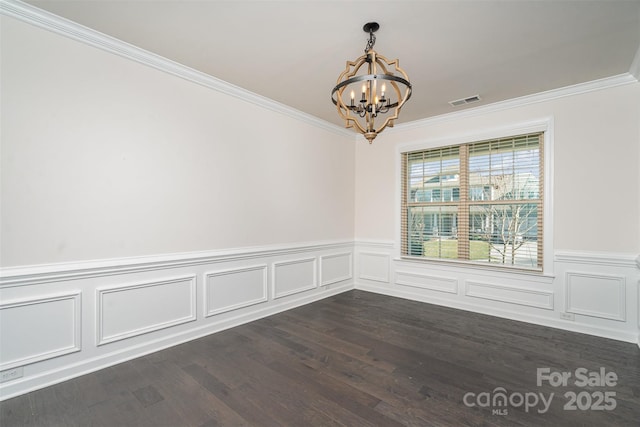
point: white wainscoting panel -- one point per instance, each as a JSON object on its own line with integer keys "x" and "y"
{"x": 336, "y": 268}
{"x": 427, "y": 281}
{"x": 33, "y": 330}
{"x": 509, "y": 294}
{"x": 131, "y": 310}
{"x": 596, "y": 295}
{"x": 234, "y": 288}
{"x": 595, "y": 286}
{"x": 144, "y": 304}
{"x": 291, "y": 277}
{"x": 374, "y": 266}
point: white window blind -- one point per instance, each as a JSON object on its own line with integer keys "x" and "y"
{"x": 479, "y": 202}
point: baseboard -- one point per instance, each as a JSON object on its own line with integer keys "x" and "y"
{"x": 505, "y": 314}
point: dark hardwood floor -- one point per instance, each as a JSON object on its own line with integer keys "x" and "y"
{"x": 356, "y": 359}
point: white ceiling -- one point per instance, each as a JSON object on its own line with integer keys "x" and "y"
{"x": 293, "y": 51}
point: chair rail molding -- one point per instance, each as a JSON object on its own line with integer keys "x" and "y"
{"x": 47, "y": 273}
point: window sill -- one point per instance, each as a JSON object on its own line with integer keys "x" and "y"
{"x": 489, "y": 270}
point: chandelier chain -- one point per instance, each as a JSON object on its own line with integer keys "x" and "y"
{"x": 370, "y": 42}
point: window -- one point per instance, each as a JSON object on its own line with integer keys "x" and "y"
{"x": 480, "y": 202}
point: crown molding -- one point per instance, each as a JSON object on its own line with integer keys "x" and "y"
{"x": 634, "y": 70}
{"x": 580, "y": 88}
{"x": 48, "y": 21}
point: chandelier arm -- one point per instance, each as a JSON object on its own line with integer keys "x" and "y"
{"x": 390, "y": 120}
{"x": 349, "y": 120}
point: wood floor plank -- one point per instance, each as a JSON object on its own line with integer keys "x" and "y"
{"x": 292, "y": 394}
{"x": 353, "y": 359}
{"x": 195, "y": 405}
{"x": 232, "y": 399}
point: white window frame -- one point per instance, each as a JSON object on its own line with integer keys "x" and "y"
{"x": 544, "y": 125}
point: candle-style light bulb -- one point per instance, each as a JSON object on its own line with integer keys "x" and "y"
{"x": 353, "y": 97}
{"x": 384, "y": 88}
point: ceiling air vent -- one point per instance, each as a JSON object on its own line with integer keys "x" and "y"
{"x": 465, "y": 101}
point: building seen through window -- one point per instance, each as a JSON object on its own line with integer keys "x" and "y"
{"x": 479, "y": 202}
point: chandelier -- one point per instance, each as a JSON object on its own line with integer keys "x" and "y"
{"x": 382, "y": 88}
